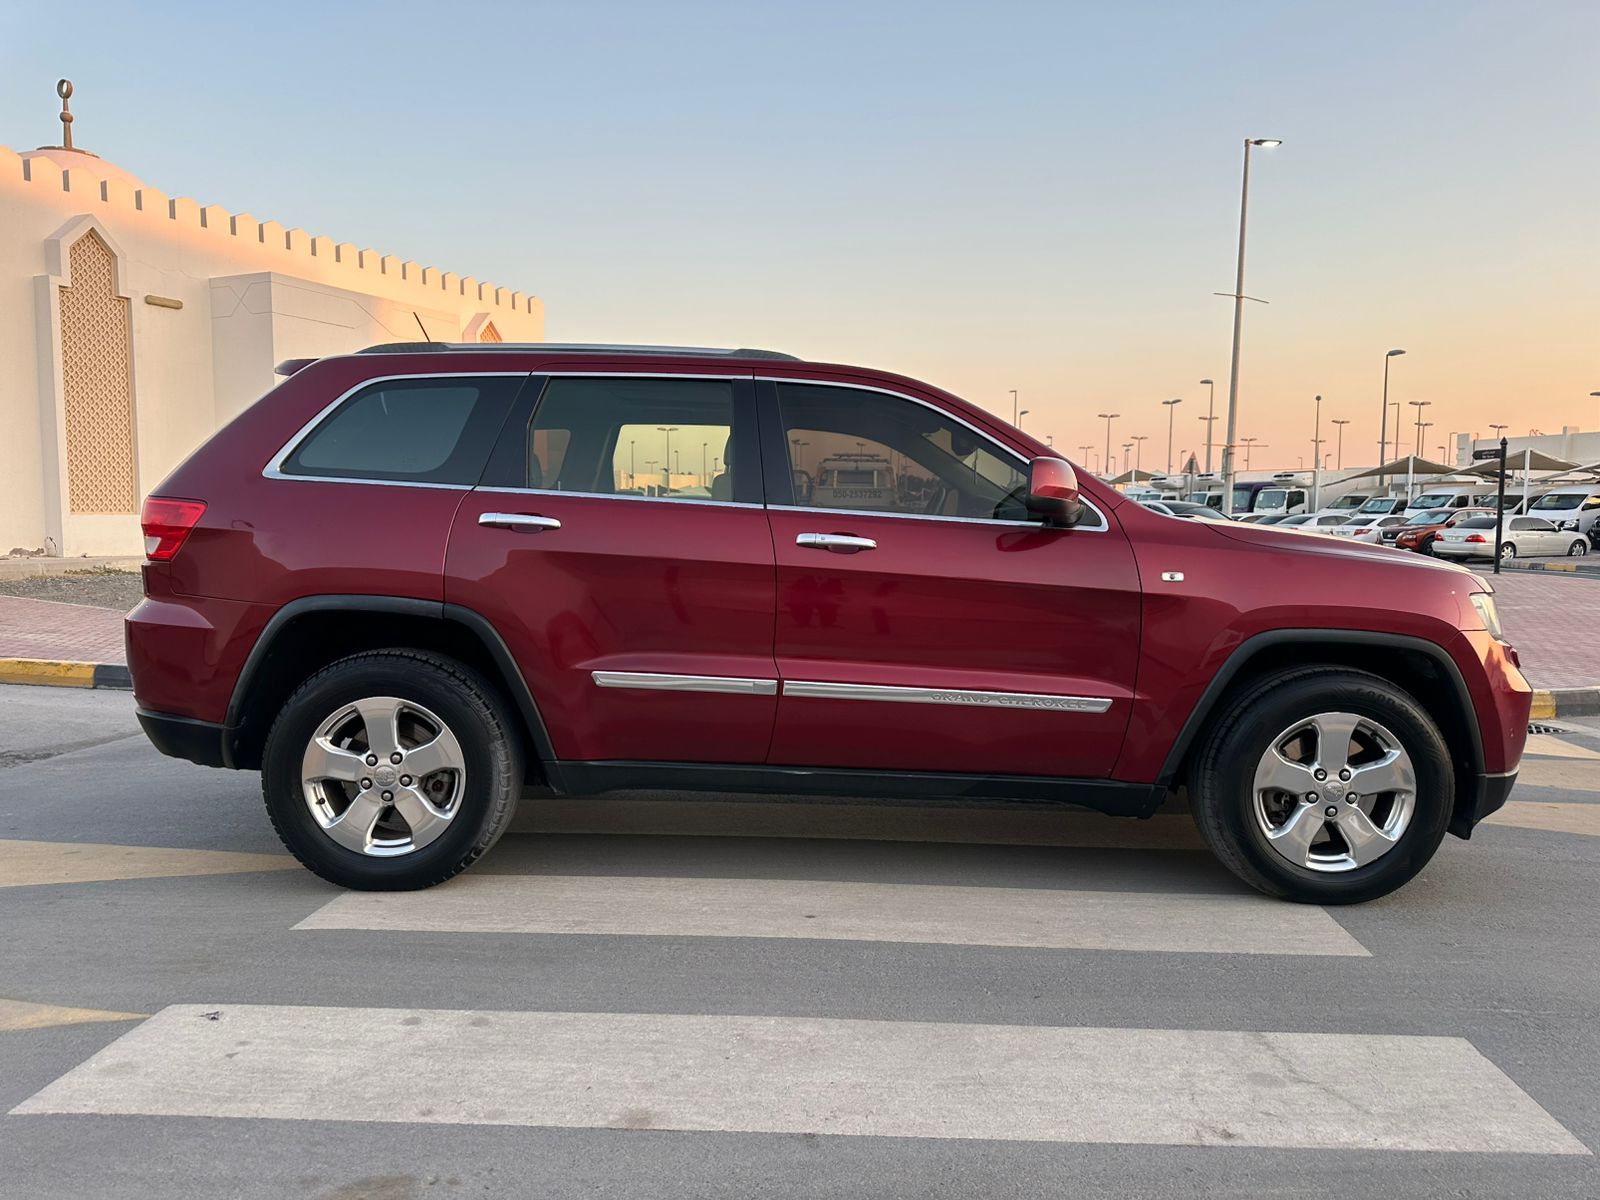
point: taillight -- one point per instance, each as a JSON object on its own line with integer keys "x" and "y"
{"x": 167, "y": 524}
{"x": 1476, "y": 539}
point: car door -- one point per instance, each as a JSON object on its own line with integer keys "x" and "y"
{"x": 924, "y": 622}
{"x": 628, "y": 566}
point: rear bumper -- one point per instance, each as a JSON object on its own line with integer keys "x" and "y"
{"x": 203, "y": 742}
{"x": 1487, "y": 795}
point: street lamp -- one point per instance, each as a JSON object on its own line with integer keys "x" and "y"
{"x": 799, "y": 458}
{"x": 1127, "y": 453}
{"x": 1341, "y": 423}
{"x": 1139, "y": 441}
{"x": 1238, "y": 326}
{"x": 1108, "y": 418}
{"x": 1172, "y": 409}
{"x": 1595, "y": 395}
{"x": 1015, "y": 416}
{"x": 1209, "y": 418}
{"x": 1247, "y": 443}
{"x": 1383, "y": 439}
{"x": 1022, "y": 414}
{"x": 666, "y": 459}
{"x": 1419, "y": 405}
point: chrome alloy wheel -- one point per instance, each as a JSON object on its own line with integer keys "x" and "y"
{"x": 383, "y": 776}
{"x": 1334, "y": 792}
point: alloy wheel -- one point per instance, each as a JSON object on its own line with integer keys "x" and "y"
{"x": 1334, "y": 792}
{"x": 383, "y": 776}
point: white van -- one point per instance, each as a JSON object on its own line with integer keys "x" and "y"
{"x": 1573, "y": 509}
{"x": 1445, "y": 497}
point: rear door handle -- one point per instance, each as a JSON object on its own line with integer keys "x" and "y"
{"x": 839, "y": 543}
{"x": 526, "y": 522}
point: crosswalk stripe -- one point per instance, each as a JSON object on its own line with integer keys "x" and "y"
{"x": 1553, "y": 817}
{"x": 25, "y": 1014}
{"x": 811, "y": 1075}
{"x": 1037, "y": 826}
{"x": 1543, "y": 745}
{"x": 872, "y": 912}
{"x": 27, "y": 863}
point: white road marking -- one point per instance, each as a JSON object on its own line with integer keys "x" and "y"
{"x": 811, "y": 1075}
{"x": 1544, "y": 745}
{"x": 25, "y": 1014}
{"x": 1553, "y": 817}
{"x": 869, "y": 912}
{"x": 29, "y": 864}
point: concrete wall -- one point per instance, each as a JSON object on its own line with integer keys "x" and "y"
{"x": 248, "y": 294}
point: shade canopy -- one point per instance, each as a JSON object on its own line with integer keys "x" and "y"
{"x": 1133, "y": 476}
{"x": 1409, "y": 465}
{"x": 1521, "y": 460}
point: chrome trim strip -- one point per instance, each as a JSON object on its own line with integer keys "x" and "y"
{"x": 954, "y": 696}
{"x": 657, "y": 682}
{"x": 274, "y": 468}
{"x": 1102, "y": 527}
{"x": 512, "y": 491}
{"x": 1004, "y": 451}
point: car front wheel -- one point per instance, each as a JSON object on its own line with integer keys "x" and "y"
{"x": 1579, "y": 546}
{"x": 1324, "y": 785}
{"x": 391, "y": 770}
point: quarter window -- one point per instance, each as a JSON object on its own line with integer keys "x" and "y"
{"x": 866, "y": 451}
{"x": 408, "y": 431}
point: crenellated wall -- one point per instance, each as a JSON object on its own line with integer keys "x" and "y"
{"x": 215, "y": 299}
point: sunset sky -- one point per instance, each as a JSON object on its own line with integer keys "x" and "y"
{"x": 986, "y": 196}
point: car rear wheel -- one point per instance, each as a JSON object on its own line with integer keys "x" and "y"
{"x": 1323, "y": 785}
{"x": 391, "y": 770}
{"x": 1507, "y": 552}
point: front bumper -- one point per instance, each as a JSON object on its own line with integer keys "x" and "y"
{"x": 203, "y": 742}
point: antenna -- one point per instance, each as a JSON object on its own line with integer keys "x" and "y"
{"x": 421, "y": 326}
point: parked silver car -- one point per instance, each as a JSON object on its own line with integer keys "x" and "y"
{"x": 1525, "y": 537}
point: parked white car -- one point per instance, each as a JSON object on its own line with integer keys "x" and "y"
{"x": 1374, "y": 531}
{"x": 1318, "y": 522}
{"x": 1525, "y": 537}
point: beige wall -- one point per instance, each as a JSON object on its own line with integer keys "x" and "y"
{"x": 252, "y": 293}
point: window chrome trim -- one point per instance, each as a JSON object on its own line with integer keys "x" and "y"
{"x": 274, "y": 468}
{"x": 513, "y": 491}
{"x": 1004, "y": 451}
{"x": 959, "y": 697}
{"x": 655, "y": 681}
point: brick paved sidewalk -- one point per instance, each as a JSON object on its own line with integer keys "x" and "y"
{"x": 1553, "y": 620}
{"x": 70, "y": 632}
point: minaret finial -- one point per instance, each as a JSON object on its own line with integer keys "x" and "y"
{"x": 64, "y": 90}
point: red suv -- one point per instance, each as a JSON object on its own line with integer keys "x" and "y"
{"x": 411, "y": 582}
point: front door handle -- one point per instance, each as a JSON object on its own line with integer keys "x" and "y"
{"x": 839, "y": 543}
{"x": 523, "y": 521}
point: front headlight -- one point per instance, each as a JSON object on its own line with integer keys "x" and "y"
{"x": 1488, "y": 614}
{"x": 1573, "y": 525}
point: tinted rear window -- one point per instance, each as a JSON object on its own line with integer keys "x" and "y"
{"x": 1478, "y": 523}
{"x": 408, "y": 431}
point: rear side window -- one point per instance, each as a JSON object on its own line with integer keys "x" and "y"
{"x": 408, "y": 431}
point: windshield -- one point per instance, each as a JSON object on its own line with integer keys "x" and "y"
{"x": 1437, "y": 516}
{"x": 1556, "y": 500}
{"x": 1273, "y": 499}
{"x": 1433, "y": 500}
{"x": 1378, "y": 504}
{"x": 1345, "y": 503}
{"x": 1242, "y": 497}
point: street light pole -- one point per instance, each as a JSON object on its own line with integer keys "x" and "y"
{"x": 1172, "y": 410}
{"x": 1238, "y": 326}
{"x": 1022, "y": 414}
{"x": 1341, "y": 424}
{"x": 1014, "y": 416}
{"x": 1108, "y": 418}
{"x": 1247, "y": 443}
{"x": 1419, "y": 405}
{"x": 1383, "y": 438}
{"x": 1138, "y": 441}
{"x": 1211, "y": 404}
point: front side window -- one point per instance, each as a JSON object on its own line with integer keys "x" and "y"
{"x": 869, "y": 452}
{"x": 408, "y": 431}
{"x": 668, "y": 439}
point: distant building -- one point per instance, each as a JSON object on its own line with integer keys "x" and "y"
{"x": 139, "y": 324}
{"x": 1571, "y": 444}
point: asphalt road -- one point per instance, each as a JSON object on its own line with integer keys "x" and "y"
{"x": 691, "y": 998}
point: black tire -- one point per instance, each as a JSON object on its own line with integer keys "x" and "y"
{"x": 1579, "y": 546}
{"x": 474, "y": 713}
{"x": 1507, "y": 552}
{"x": 1223, "y": 772}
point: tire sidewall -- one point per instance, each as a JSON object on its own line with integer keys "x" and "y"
{"x": 409, "y": 679}
{"x": 1277, "y": 710}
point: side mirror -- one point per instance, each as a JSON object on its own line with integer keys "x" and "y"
{"x": 1053, "y": 492}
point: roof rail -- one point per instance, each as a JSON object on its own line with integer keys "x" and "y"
{"x": 571, "y": 348}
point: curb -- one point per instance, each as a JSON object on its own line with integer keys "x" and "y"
{"x": 51, "y": 673}
{"x": 1565, "y": 702}
{"x": 1566, "y": 568}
